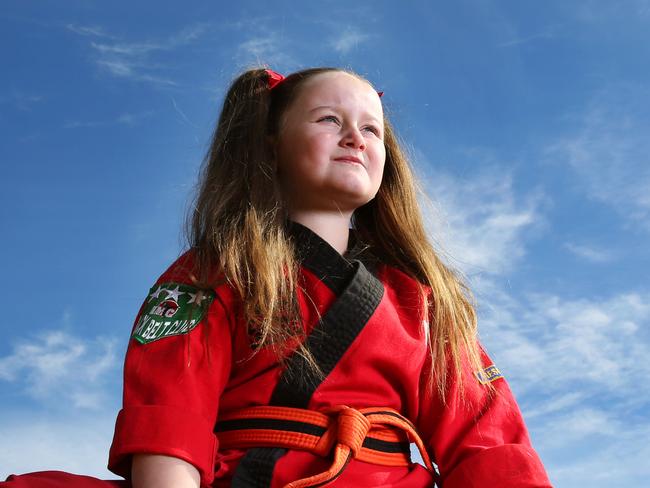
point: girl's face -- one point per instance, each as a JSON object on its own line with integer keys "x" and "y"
{"x": 330, "y": 147}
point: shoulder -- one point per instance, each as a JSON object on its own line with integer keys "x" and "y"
{"x": 399, "y": 279}
{"x": 403, "y": 289}
{"x": 183, "y": 269}
{"x": 186, "y": 270}
{"x": 178, "y": 301}
{"x": 185, "y": 275}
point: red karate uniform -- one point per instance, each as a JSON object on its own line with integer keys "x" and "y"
{"x": 365, "y": 326}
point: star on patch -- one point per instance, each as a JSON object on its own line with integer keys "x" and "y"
{"x": 196, "y": 297}
{"x": 157, "y": 293}
{"x": 175, "y": 293}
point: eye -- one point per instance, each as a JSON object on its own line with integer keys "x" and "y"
{"x": 329, "y": 118}
{"x": 373, "y": 129}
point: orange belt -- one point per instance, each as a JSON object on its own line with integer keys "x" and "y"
{"x": 373, "y": 435}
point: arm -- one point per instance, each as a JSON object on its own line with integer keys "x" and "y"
{"x": 479, "y": 438}
{"x": 174, "y": 374}
{"x": 155, "y": 471}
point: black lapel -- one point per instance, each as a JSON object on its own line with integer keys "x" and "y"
{"x": 358, "y": 296}
{"x": 329, "y": 340}
{"x": 315, "y": 254}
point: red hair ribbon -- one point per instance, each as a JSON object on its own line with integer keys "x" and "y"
{"x": 274, "y": 78}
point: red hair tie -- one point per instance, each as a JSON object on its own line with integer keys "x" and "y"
{"x": 276, "y": 78}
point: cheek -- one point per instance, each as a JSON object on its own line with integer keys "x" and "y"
{"x": 379, "y": 156}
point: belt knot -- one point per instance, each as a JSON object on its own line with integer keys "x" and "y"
{"x": 352, "y": 428}
{"x": 346, "y": 426}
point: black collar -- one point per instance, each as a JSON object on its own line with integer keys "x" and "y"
{"x": 317, "y": 255}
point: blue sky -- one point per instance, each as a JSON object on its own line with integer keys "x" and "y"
{"x": 527, "y": 123}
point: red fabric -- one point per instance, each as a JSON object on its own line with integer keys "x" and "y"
{"x": 59, "y": 479}
{"x": 516, "y": 463}
{"x": 175, "y": 387}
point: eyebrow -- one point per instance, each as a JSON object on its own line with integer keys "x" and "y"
{"x": 336, "y": 107}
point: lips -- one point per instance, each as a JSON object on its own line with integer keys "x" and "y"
{"x": 349, "y": 159}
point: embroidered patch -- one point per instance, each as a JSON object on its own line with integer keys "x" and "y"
{"x": 171, "y": 309}
{"x": 488, "y": 375}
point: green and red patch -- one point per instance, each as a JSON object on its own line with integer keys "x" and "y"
{"x": 171, "y": 309}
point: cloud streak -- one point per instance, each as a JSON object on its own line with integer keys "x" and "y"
{"x": 610, "y": 151}
{"x": 36, "y": 442}
{"x": 128, "y": 119}
{"x": 55, "y": 367}
{"x": 348, "y": 40}
{"x": 589, "y": 253}
{"x": 135, "y": 60}
{"x": 578, "y": 365}
{"x": 548, "y": 33}
{"x": 479, "y": 222}
{"x": 89, "y": 30}
{"x": 21, "y": 101}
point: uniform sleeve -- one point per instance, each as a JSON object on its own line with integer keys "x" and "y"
{"x": 177, "y": 364}
{"x": 478, "y": 438}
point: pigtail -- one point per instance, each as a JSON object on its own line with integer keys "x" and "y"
{"x": 237, "y": 227}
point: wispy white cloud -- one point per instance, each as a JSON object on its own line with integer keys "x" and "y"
{"x": 561, "y": 402}
{"x": 548, "y": 33}
{"x": 20, "y": 100}
{"x": 619, "y": 459}
{"x": 479, "y": 221}
{"x": 596, "y": 11}
{"x": 54, "y": 367}
{"x": 33, "y": 441}
{"x": 610, "y": 152}
{"x": 129, "y": 119}
{"x": 270, "y": 49}
{"x": 133, "y": 60}
{"x": 578, "y": 365}
{"x": 122, "y": 67}
{"x": 580, "y": 423}
{"x": 579, "y": 368}
{"x": 599, "y": 345}
{"x": 347, "y": 40}
{"x": 89, "y": 30}
{"x": 128, "y": 49}
{"x": 589, "y": 253}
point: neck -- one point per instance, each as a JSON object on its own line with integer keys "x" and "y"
{"x": 334, "y": 228}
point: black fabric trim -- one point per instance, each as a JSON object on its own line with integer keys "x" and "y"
{"x": 329, "y": 340}
{"x": 270, "y": 424}
{"x": 358, "y": 296}
{"x": 387, "y": 446}
{"x": 317, "y": 255}
{"x": 255, "y": 470}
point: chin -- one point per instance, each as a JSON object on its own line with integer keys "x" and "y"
{"x": 353, "y": 203}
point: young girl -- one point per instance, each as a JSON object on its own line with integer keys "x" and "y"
{"x": 286, "y": 349}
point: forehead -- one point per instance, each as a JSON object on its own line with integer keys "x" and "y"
{"x": 338, "y": 89}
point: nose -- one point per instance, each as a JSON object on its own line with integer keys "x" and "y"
{"x": 354, "y": 139}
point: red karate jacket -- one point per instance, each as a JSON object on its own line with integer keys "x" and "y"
{"x": 190, "y": 361}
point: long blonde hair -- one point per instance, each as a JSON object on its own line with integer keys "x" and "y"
{"x": 238, "y": 227}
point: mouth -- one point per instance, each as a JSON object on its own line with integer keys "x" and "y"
{"x": 348, "y": 159}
